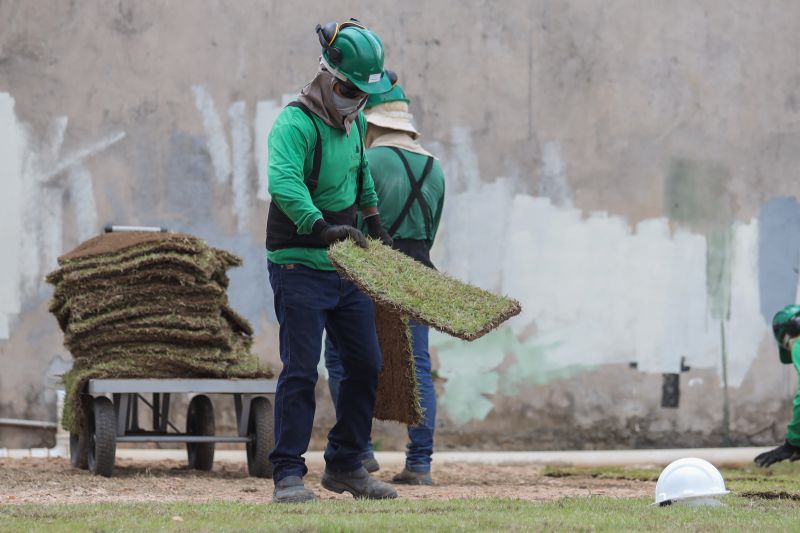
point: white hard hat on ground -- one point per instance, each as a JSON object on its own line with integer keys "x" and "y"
{"x": 691, "y": 481}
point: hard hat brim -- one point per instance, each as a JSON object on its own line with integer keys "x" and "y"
{"x": 381, "y": 86}
{"x": 692, "y": 497}
{"x": 394, "y": 121}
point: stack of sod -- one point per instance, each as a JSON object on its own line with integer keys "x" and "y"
{"x": 148, "y": 305}
{"x": 403, "y": 288}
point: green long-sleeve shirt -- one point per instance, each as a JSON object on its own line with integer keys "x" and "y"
{"x": 291, "y": 158}
{"x": 793, "y": 430}
{"x": 393, "y": 189}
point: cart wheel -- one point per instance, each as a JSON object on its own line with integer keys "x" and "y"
{"x": 261, "y": 433}
{"x": 79, "y": 449}
{"x": 102, "y": 437}
{"x": 200, "y": 421}
{"x": 79, "y": 442}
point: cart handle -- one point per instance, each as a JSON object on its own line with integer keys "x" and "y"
{"x": 111, "y": 228}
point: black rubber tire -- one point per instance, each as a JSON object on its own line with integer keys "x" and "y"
{"x": 79, "y": 442}
{"x": 200, "y": 421}
{"x": 103, "y": 437}
{"x": 261, "y": 432}
{"x": 79, "y": 450}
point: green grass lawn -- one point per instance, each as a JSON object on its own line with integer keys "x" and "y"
{"x": 781, "y": 480}
{"x": 761, "y": 500}
{"x": 581, "y": 514}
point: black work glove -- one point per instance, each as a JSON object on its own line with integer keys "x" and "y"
{"x": 330, "y": 234}
{"x": 376, "y": 231}
{"x": 781, "y": 453}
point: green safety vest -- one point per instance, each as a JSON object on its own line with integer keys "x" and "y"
{"x": 410, "y": 188}
{"x": 298, "y": 144}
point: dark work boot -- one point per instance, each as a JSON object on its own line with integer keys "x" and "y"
{"x": 358, "y": 483}
{"x": 407, "y": 477}
{"x": 370, "y": 463}
{"x": 291, "y": 490}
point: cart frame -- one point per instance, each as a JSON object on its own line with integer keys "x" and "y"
{"x": 115, "y": 420}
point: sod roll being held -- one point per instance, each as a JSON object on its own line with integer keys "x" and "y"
{"x": 395, "y": 280}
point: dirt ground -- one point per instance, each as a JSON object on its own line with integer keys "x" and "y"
{"x": 56, "y": 481}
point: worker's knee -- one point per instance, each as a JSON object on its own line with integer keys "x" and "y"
{"x": 364, "y": 366}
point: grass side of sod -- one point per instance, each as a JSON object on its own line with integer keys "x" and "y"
{"x": 568, "y": 514}
{"x": 431, "y": 297}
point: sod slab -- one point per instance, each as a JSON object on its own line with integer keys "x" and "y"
{"x": 424, "y": 294}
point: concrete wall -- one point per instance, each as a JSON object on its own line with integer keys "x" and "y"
{"x": 627, "y": 170}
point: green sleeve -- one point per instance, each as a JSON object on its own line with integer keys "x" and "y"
{"x": 291, "y": 140}
{"x": 793, "y": 430}
{"x": 437, "y": 215}
{"x": 369, "y": 198}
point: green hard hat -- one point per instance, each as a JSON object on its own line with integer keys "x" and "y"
{"x": 784, "y": 322}
{"x": 357, "y": 53}
{"x": 395, "y": 94}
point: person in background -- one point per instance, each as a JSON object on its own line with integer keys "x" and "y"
{"x": 786, "y": 328}
{"x": 319, "y": 178}
{"x": 410, "y": 186}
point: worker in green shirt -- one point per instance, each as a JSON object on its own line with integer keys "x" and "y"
{"x": 786, "y": 328}
{"x": 319, "y": 178}
{"x": 410, "y": 186}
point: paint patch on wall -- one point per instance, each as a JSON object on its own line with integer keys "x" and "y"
{"x": 194, "y": 208}
{"x": 461, "y": 166}
{"x": 215, "y": 133}
{"x": 697, "y": 197}
{"x": 190, "y": 183}
{"x": 242, "y": 142}
{"x": 470, "y": 371}
{"x": 595, "y": 291}
{"x": 12, "y": 146}
{"x": 266, "y": 113}
{"x": 467, "y": 258}
{"x": 778, "y": 254}
{"x": 745, "y": 328}
{"x": 37, "y": 178}
{"x": 233, "y": 161}
{"x": 553, "y": 179}
{"x": 83, "y": 201}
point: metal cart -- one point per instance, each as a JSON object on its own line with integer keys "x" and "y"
{"x": 111, "y": 412}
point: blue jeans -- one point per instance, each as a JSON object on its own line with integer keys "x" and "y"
{"x": 420, "y": 447}
{"x": 306, "y": 302}
{"x": 334, "y": 366}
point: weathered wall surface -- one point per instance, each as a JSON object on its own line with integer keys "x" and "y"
{"x": 628, "y": 171}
